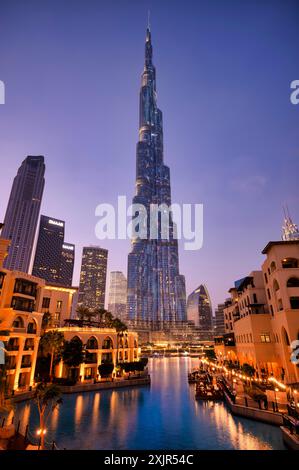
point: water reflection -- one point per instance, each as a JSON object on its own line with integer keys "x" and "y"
{"x": 164, "y": 416}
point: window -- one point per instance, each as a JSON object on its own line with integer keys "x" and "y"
{"x": 266, "y": 277}
{"x": 280, "y": 305}
{"x": 272, "y": 266}
{"x": 265, "y": 338}
{"x": 294, "y": 301}
{"x": 269, "y": 295}
{"x": 293, "y": 282}
{"x": 275, "y": 285}
{"x": 46, "y": 302}
{"x": 288, "y": 263}
{"x": 59, "y": 305}
{"x": 271, "y": 310}
{"x": 255, "y": 298}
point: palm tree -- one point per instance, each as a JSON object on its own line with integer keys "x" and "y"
{"x": 99, "y": 314}
{"x": 52, "y": 344}
{"x": 73, "y": 353}
{"x": 120, "y": 329}
{"x": 108, "y": 318}
{"x": 46, "y": 321}
{"x": 84, "y": 313}
{"x": 47, "y": 398}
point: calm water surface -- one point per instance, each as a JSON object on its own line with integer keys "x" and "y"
{"x": 162, "y": 416}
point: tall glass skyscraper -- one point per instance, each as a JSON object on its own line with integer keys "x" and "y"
{"x": 199, "y": 308}
{"x": 22, "y": 212}
{"x": 156, "y": 290}
{"x": 54, "y": 259}
{"x": 93, "y": 277}
{"x": 117, "y": 302}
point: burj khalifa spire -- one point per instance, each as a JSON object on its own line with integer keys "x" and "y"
{"x": 156, "y": 289}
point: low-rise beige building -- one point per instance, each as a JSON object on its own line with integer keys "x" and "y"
{"x": 101, "y": 345}
{"x": 19, "y": 297}
{"x": 58, "y": 302}
{"x": 263, "y": 315}
{"x": 281, "y": 276}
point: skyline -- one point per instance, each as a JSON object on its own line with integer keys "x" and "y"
{"x": 32, "y": 123}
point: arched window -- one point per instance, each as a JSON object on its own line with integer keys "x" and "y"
{"x": 31, "y": 328}
{"x": 18, "y": 322}
{"x": 285, "y": 337}
{"x": 293, "y": 282}
{"x": 107, "y": 343}
{"x": 126, "y": 342}
{"x": 135, "y": 343}
{"x": 275, "y": 285}
{"x": 288, "y": 263}
{"x": 76, "y": 338}
{"x": 92, "y": 343}
{"x": 273, "y": 266}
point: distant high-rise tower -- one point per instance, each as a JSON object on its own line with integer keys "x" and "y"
{"x": 156, "y": 290}
{"x": 117, "y": 302}
{"x": 22, "y": 212}
{"x": 199, "y": 309}
{"x": 219, "y": 320}
{"x": 54, "y": 259}
{"x": 93, "y": 277}
{"x": 290, "y": 230}
{"x": 67, "y": 264}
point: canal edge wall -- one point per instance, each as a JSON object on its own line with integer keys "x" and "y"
{"x": 268, "y": 417}
{"x": 105, "y": 385}
{"x": 290, "y": 440}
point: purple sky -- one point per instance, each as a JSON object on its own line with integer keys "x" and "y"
{"x": 72, "y": 74}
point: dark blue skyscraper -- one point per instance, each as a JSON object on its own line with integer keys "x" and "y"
{"x": 54, "y": 258}
{"x": 22, "y": 212}
{"x": 156, "y": 290}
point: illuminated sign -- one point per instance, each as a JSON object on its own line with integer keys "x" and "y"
{"x": 68, "y": 247}
{"x": 56, "y": 222}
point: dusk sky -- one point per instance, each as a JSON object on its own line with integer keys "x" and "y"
{"x": 231, "y": 135}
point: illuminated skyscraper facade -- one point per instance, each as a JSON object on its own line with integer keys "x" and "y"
{"x": 156, "y": 290}
{"x": 199, "y": 309}
{"x": 22, "y": 213}
{"x": 117, "y": 302}
{"x": 54, "y": 259}
{"x": 93, "y": 277}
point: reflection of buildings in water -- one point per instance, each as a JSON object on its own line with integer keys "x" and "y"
{"x": 78, "y": 409}
{"x": 95, "y": 411}
{"x": 223, "y": 420}
{"x": 54, "y": 418}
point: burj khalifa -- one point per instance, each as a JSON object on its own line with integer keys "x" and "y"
{"x": 156, "y": 290}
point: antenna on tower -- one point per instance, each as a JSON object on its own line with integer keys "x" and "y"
{"x": 149, "y": 20}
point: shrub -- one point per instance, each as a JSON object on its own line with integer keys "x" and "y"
{"x": 105, "y": 369}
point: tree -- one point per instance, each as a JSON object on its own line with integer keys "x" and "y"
{"x": 84, "y": 313}
{"x": 47, "y": 398}
{"x": 52, "y": 343}
{"x": 73, "y": 353}
{"x": 247, "y": 369}
{"x": 99, "y": 314}
{"x": 106, "y": 369}
{"x": 3, "y": 373}
{"x": 46, "y": 321}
